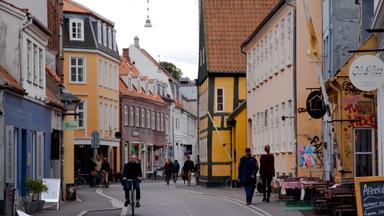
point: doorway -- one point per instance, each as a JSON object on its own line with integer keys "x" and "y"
{"x": 364, "y": 145}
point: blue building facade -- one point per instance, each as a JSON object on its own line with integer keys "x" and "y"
{"x": 31, "y": 125}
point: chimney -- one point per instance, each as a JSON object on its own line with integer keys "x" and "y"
{"x": 126, "y": 54}
{"x": 136, "y": 42}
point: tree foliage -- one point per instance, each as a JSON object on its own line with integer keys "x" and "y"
{"x": 172, "y": 69}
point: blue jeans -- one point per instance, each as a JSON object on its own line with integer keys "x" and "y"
{"x": 249, "y": 190}
{"x": 127, "y": 189}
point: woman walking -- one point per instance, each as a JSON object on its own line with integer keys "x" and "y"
{"x": 168, "y": 170}
{"x": 267, "y": 171}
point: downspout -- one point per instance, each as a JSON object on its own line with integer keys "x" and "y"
{"x": 28, "y": 21}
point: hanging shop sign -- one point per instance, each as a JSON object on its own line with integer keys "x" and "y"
{"x": 315, "y": 105}
{"x": 369, "y": 195}
{"x": 367, "y": 73}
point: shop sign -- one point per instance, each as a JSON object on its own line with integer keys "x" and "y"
{"x": 369, "y": 195}
{"x": 367, "y": 73}
{"x": 315, "y": 105}
{"x": 70, "y": 125}
{"x": 135, "y": 133}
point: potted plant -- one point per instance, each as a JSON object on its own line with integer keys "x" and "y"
{"x": 35, "y": 187}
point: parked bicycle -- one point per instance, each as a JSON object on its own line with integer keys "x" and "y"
{"x": 79, "y": 180}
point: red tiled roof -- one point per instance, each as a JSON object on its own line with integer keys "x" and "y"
{"x": 134, "y": 93}
{"x": 10, "y": 82}
{"x": 51, "y": 73}
{"x": 53, "y": 99}
{"x": 226, "y": 25}
{"x": 74, "y": 7}
{"x": 126, "y": 67}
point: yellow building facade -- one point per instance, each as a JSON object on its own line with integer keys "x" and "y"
{"x": 91, "y": 72}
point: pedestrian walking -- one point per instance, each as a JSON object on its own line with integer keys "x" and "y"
{"x": 267, "y": 171}
{"x": 247, "y": 174}
{"x": 168, "y": 170}
{"x": 175, "y": 170}
{"x": 197, "y": 172}
{"x": 92, "y": 173}
{"x": 188, "y": 169}
{"x": 105, "y": 169}
{"x": 183, "y": 175}
{"x": 98, "y": 162}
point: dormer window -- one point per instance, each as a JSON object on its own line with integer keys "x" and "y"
{"x": 114, "y": 41}
{"x": 154, "y": 88}
{"x": 76, "y": 29}
{"x": 99, "y": 32}
{"x": 129, "y": 82}
{"x": 105, "y": 34}
{"x": 109, "y": 38}
{"x": 139, "y": 85}
{"x": 146, "y": 87}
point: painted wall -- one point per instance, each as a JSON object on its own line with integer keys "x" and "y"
{"x": 38, "y": 8}
{"x": 239, "y": 143}
{"x": 16, "y": 111}
{"x": 307, "y": 128}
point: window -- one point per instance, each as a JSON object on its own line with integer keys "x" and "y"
{"x": 110, "y": 117}
{"x": 116, "y": 119}
{"x": 106, "y": 117}
{"x": 153, "y": 120}
{"x": 99, "y": 32}
{"x": 78, "y": 73}
{"x": 35, "y": 64}
{"x": 129, "y": 82}
{"x": 137, "y": 117}
{"x": 125, "y": 115}
{"x": 81, "y": 110}
{"x": 29, "y": 61}
{"x": 161, "y": 121}
{"x": 116, "y": 76}
{"x": 158, "y": 121}
{"x": 142, "y": 117}
{"x": 76, "y": 29}
{"x": 100, "y": 72}
{"x": 364, "y": 152}
{"x": 105, "y": 74}
{"x": 101, "y": 116}
{"x": 154, "y": 88}
{"x": 132, "y": 116}
{"x": 148, "y": 119}
{"x": 114, "y": 41}
{"x": 146, "y": 86}
{"x": 219, "y": 99}
{"x": 105, "y": 34}
{"x": 110, "y": 84}
{"x": 109, "y": 38}
{"x": 177, "y": 123}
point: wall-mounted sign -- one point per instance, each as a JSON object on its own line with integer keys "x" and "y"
{"x": 367, "y": 73}
{"x": 70, "y": 125}
{"x": 369, "y": 195}
{"x": 135, "y": 133}
{"x": 315, "y": 105}
{"x": 95, "y": 141}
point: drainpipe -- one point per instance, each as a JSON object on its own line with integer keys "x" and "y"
{"x": 27, "y": 22}
{"x": 294, "y": 77}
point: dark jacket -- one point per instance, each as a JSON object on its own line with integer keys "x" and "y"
{"x": 188, "y": 166}
{"x": 267, "y": 165}
{"x": 168, "y": 167}
{"x": 105, "y": 166}
{"x": 132, "y": 170}
{"x": 175, "y": 167}
{"x": 247, "y": 168}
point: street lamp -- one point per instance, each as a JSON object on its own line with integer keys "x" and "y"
{"x": 148, "y": 23}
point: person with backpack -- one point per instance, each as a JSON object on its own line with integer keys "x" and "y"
{"x": 175, "y": 170}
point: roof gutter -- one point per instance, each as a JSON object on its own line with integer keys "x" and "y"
{"x": 28, "y": 21}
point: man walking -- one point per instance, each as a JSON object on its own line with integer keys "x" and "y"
{"x": 188, "y": 168}
{"x": 175, "y": 170}
{"x": 247, "y": 174}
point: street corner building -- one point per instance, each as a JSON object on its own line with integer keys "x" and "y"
{"x": 91, "y": 71}
{"x": 31, "y": 94}
{"x": 222, "y": 79}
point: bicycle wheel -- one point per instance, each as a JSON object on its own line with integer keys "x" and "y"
{"x": 133, "y": 198}
{"x": 80, "y": 183}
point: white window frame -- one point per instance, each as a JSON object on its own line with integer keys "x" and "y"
{"x": 111, "y": 80}
{"x": 77, "y": 66}
{"x": 126, "y": 118}
{"x": 99, "y": 32}
{"x": 116, "y": 119}
{"x": 100, "y": 72}
{"x": 101, "y": 116}
{"x": 129, "y": 82}
{"x": 216, "y": 99}
{"x": 142, "y": 119}
{"x": 105, "y": 34}
{"x": 114, "y": 40}
{"x": 137, "y": 116}
{"x": 109, "y": 38}
{"x": 132, "y": 116}
{"x": 148, "y": 119}
{"x": 84, "y": 111}
{"x": 105, "y": 74}
{"x": 77, "y": 21}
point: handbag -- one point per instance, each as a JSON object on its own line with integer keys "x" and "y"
{"x": 259, "y": 187}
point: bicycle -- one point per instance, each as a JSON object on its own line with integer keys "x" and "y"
{"x": 79, "y": 180}
{"x": 132, "y": 195}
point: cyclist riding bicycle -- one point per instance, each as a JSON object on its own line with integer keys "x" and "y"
{"x": 132, "y": 170}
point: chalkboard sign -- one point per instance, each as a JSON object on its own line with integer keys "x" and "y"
{"x": 369, "y": 195}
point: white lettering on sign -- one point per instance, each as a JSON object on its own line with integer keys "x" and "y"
{"x": 367, "y": 72}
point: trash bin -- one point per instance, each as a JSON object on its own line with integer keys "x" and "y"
{"x": 71, "y": 191}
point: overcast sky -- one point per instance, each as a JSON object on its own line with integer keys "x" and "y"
{"x": 173, "y": 37}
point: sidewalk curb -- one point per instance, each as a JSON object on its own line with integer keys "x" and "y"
{"x": 97, "y": 210}
{"x": 116, "y": 204}
{"x": 254, "y": 208}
